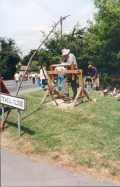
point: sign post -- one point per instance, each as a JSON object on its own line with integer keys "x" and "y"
{"x": 14, "y": 103}
{"x": 3, "y": 113}
{"x": 19, "y": 122}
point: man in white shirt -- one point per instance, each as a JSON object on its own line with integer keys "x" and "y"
{"x": 17, "y": 77}
{"x": 43, "y": 77}
{"x": 70, "y": 59}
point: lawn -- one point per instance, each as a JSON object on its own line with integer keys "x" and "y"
{"x": 88, "y": 134}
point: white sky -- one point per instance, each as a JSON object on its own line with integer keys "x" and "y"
{"x": 22, "y": 20}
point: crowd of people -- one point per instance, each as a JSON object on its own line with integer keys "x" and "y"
{"x": 40, "y": 79}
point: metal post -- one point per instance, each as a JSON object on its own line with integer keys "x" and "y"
{"x": 3, "y": 114}
{"x": 19, "y": 122}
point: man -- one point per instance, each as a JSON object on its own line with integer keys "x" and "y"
{"x": 94, "y": 75}
{"x": 43, "y": 77}
{"x": 33, "y": 78}
{"x": 70, "y": 59}
{"x": 17, "y": 77}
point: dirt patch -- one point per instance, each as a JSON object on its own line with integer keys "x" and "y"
{"x": 64, "y": 160}
{"x": 13, "y": 144}
{"x": 62, "y": 104}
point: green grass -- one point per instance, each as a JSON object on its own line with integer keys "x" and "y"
{"x": 89, "y": 133}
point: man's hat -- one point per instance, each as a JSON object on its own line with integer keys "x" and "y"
{"x": 65, "y": 52}
{"x": 90, "y": 66}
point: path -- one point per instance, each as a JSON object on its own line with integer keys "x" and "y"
{"x": 12, "y": 86}
{"x": 19, "y": 170}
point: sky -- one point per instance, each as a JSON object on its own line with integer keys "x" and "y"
{"x": 25, "y": 20}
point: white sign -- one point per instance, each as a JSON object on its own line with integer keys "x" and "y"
{"x": 12, "y": 101}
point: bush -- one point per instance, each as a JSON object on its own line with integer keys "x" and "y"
{"x": 106, "y": 80}
{"x": 116, "y": 83}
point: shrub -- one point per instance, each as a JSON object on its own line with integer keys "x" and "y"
{"x": 106, "y": 80}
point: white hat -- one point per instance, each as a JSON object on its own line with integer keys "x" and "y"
{"x": 65, "y": 52}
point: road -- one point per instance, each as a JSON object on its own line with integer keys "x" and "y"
{"x": 20, "y": 170}
{"x": 12, "y": 86}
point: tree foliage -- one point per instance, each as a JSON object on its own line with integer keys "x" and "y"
{"x": 9, "y": 57}
{"x": 102, "y": 40}
{"x": 35, "y": 66}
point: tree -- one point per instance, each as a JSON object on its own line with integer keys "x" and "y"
{"x": 35, "y": 66}
{"x": 9, "y": 57}
{"x": 102, "y": 39}
{"x": 27, "y": 57}
{"x": 53, "y": 47}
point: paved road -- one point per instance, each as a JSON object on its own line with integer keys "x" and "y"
{"x": 12, "y": 86}
{"x": 19, "y": 170}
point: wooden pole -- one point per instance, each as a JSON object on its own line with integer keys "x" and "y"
{"x": 61, "y": 26}
{"x": 3, "y": 114}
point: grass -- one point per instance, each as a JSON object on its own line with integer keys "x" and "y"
{"x": 89, "y": 134}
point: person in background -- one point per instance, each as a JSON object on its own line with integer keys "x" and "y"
{"x": 33, "y": 78}
{"x": 38, "y": 81}
{"x": 43, "y": 77}
{"x": 1, "y": 77}
{"x": 70, "y": 59}
{"x": 17, "y": 77}
{"x": 93, "y": 72}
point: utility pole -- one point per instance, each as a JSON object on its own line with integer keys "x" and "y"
{"x": 61, "y": 26}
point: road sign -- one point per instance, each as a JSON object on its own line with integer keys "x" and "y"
{"x": 12, "y": 101}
